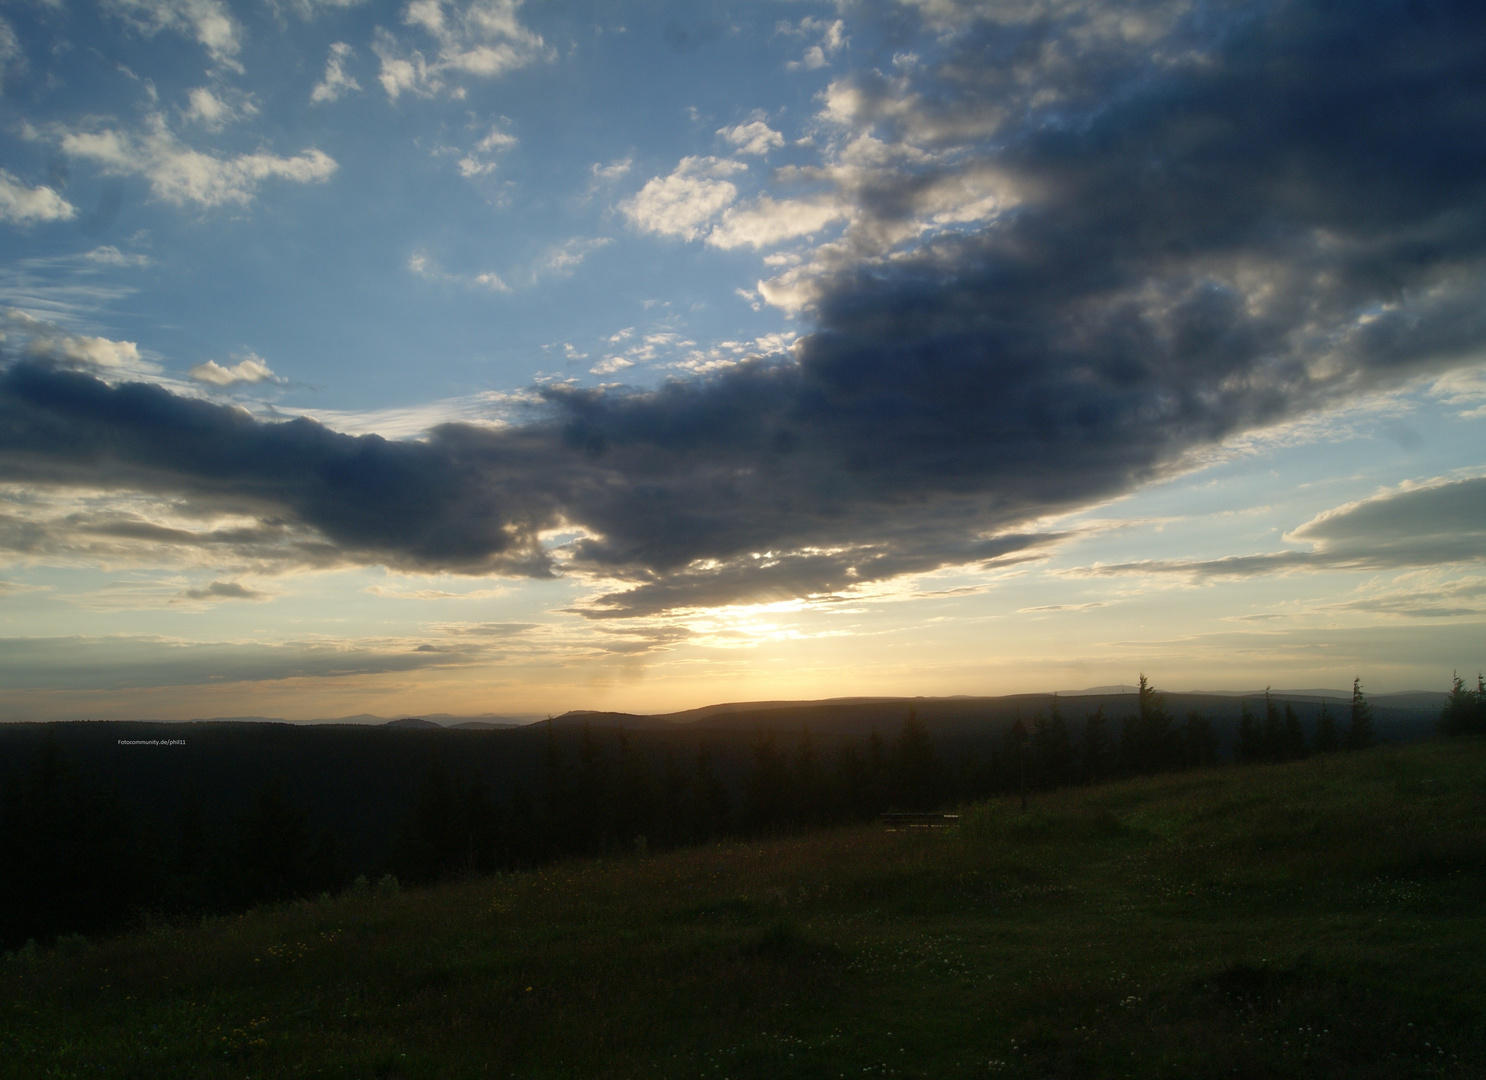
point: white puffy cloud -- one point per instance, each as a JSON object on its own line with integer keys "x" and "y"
{"x": 336, "y": 83}
{"x": 179, "y": 175}
{"x": 213, "y": 112}
{"x": 207, "y": 21}
{"x": 756, "y": 137}
{"x": 47, "y": 341}
{"x": 765, "y": 221}
{"x": 685, "y": 202}
{"x": 484, "y": 39}
{"x": 24, "y": 205}
{"x": 252, "y": 368}
{"x": 832, "y": 39}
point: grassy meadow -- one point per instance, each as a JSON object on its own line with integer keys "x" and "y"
{"x": 1322, "y": 918}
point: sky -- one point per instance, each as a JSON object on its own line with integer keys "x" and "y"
{"x": 478, "y": 356}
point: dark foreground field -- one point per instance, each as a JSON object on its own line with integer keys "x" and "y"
{"x": 1324, "y": 918}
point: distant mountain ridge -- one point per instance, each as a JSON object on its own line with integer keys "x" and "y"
{"x": 842, "y": 713}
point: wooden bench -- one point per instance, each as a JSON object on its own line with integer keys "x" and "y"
{"x": 897, "y": 819}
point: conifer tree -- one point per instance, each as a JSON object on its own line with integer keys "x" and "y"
{"x": 634, "y": 796}
{"x": 1327, "y": 739}
{"x": 587, "y": 815}
{"x": 1294, "y": 746}
{"x": 1052, "y": 748}
{"x": 1360, "y": 731}
{"x": 670, "y": 806}
{"x": 709, "y": 804}
{"x": 919, "y": 777}
{"x": 1460, "y": 714}
{"x": 1272, "y": 737}
{"x": 849, "y": 784}
{"x": 879, "y": 778}
{"x": 766, "y": 794}
{"x": 1250, "y": 741}
{"x": 274, "y": 858}
{"x": 1199, "y": 741}
{"x": 70, "y": 861}
{"x": 1094, "y": 747}
{"x": 809, "y": 781}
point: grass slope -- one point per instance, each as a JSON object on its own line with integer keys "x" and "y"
{"x": 1318, "y": 919}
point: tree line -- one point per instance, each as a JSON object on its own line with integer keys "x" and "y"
{"x": 74, "y": 858}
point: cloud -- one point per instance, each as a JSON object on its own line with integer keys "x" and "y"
{"x": 478, "y": 161}
{"x": 309, "y": 9}
{"x": 1076, "y": 255}
{"x": 226, "y": 590}
{"x": 562, "y": 259}
{"x": 12, "y": 57}
{"x": 47, "y": 342}
{"x": 207, "y": 21}
{"x": 250, "y": 369}
{"x": 336, "y": 83}
{"x": 1439, "y": 523}
{"x": 179, "y": 175}
{"x": 22, "y": 205}
{"x": 752, "y": 138}
{"x": 832, "y": 40}
{"x": 612, "y": 171}
{"x": 483, "y": 39}
{"x": 127, "y": 662}
{"x": 108, "y": 255}
{"x": 685, "y": 202}
{"x": 765, "y": 222}
{"x": 398, "y": 503}
{"x": 426, "y": 268}
{"x": 213, "y": 112}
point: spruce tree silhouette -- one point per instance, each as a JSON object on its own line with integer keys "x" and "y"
{"x": 70, "y": 861}
{"x": 766, "y": 793}
{"x": 1199, "y": 741}
{"x": 1328, "y": 741}
{"x": 710, "y": 808}
{"x": 1360, "y": 733}
{"x": 432, "y": 844}
{"x": 1465, "y": 710}
{"x": 273, "y": 856}
{"x": 1250, "y": 746}
{"x": 1094, "y": 747}
{"x": 1294, "y": 735}
{"x": 918, "y": 775}
{"x": 1052, "y": 748}
{"x": 1272, "y": 734}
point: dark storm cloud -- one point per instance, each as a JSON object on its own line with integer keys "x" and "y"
{"x": 1263, "y": 210}
{"x": 456, "y": 501}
